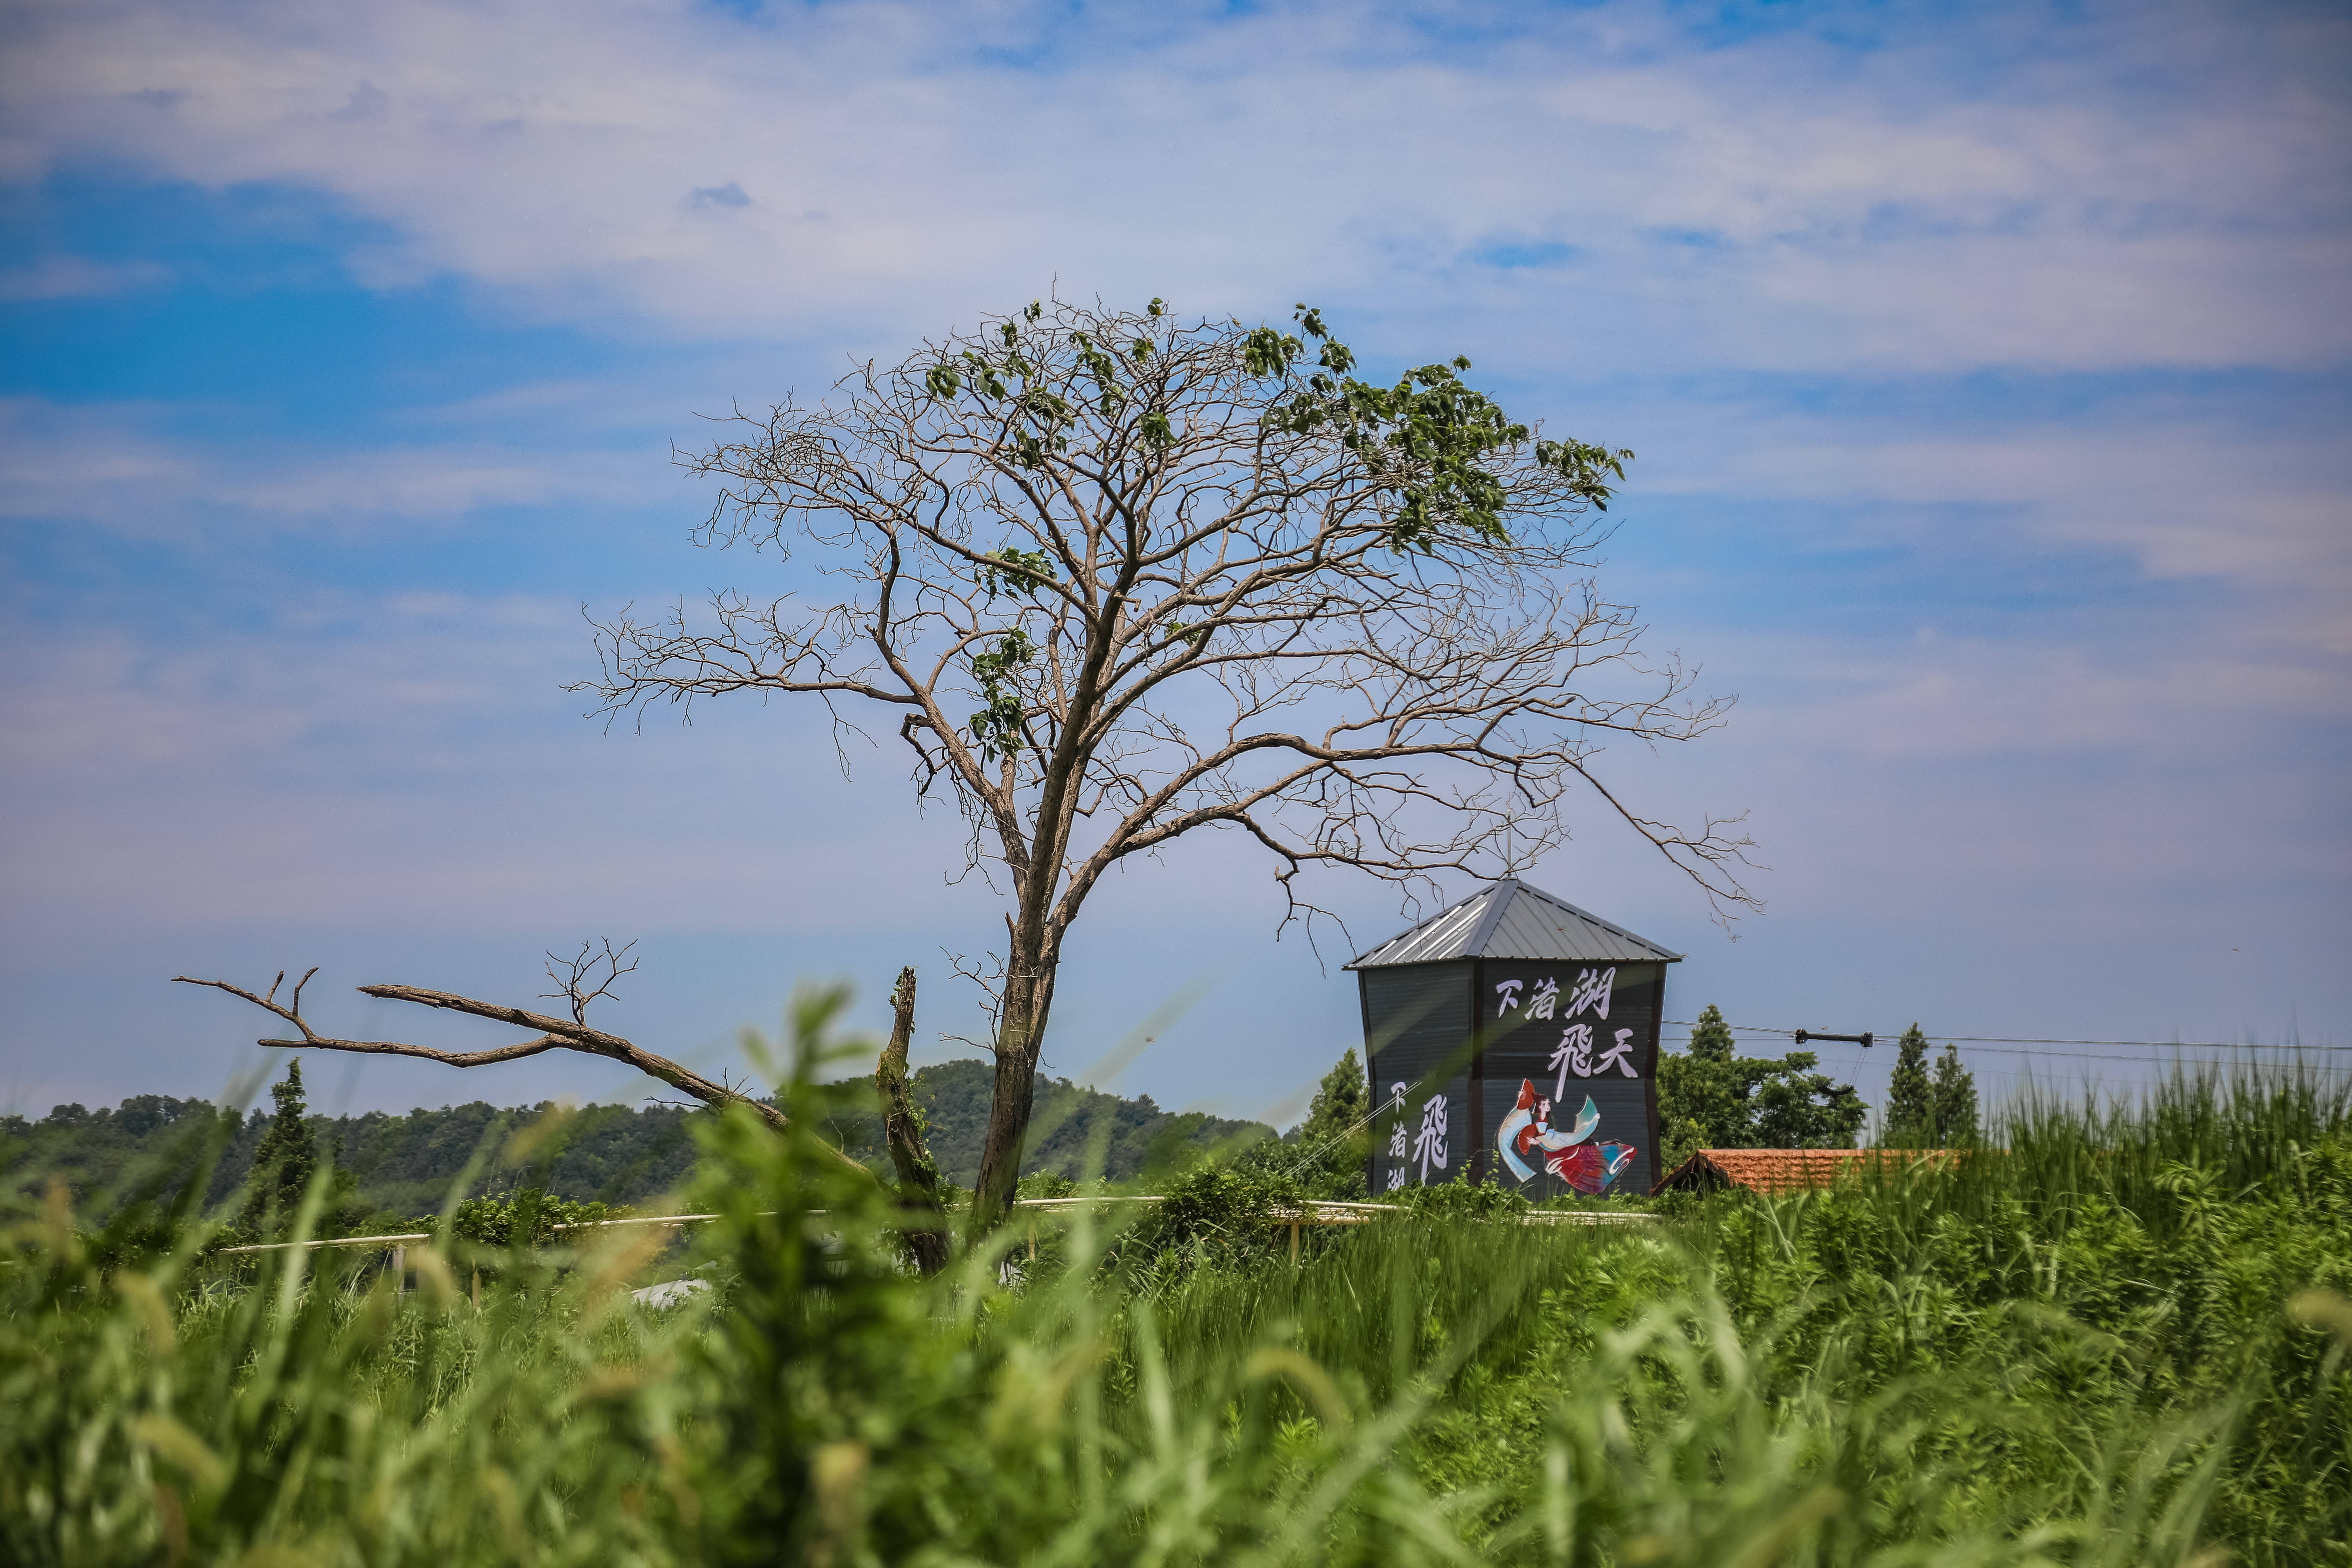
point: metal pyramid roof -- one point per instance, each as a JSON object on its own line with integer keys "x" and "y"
{"x": 1512, "y": 919}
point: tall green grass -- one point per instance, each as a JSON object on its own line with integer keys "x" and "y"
{"x": 2121, "y": 1340}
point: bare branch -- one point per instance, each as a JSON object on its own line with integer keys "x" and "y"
{"x": 580, "y": 968}
{"x": 553, "y": 1033}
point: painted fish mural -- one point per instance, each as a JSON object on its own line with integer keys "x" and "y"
{"x": 1528, "y": 1132}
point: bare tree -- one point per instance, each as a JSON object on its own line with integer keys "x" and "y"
{"x": 1122, "y": 578}
{"x": 585, "y": 977}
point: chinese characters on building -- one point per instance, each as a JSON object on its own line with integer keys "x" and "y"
{"x": 1398, "y": 1154}
{"x": 1427, "y": 1146}
{"x": 1592, "y": 988}
{"x": 1576, "y": 1056}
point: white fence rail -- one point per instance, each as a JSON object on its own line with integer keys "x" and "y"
{"x": 1314, "y": 1212}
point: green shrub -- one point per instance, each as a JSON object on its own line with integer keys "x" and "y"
{"x": 1462, "y": 1199}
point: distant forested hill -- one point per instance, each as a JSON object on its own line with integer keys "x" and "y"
{"x": 1137, "y": 1135}
{"x": 404, "y": 1165}
{"x": 407, "y": 1165}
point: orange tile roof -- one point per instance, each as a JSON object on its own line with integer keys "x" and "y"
{"x": 1777, "y": 1170}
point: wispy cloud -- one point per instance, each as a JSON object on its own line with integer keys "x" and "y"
{"x": 2130, "y": 185}
{"x": 76, "y": 276}
{"x": 404, "y": 758}
{"x": 1987, "y": 368}
{"x": 124, "y": 468}
{"x": 2267, "y": 514}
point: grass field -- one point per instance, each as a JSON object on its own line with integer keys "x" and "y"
{"x": 2122, "y": 1339}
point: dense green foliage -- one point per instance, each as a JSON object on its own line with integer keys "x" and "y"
{"x": 402, "y": 1165}
{"x": 1429, "y": 440}
{"x": 283, "y": 1161}
{"x": 1910, "y": 1118}
{"x": 1335, "y": 1135}
{"x": 1069, "y": 1126}
{"x": 2122, "y": 1340}
{"x": 532, "y": 1217}
{"x": 93, "y": 1152}
{"x": 1923, "y": 1111}
{"x": 398, "y": 1165}
{"x": 1956, "y": 1101}
{"x": 1710, "y": 1096}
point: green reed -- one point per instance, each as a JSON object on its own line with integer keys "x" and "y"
{"x": 2118, "y": 1336}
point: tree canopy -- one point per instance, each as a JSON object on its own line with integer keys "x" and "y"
{"x": 286, "y": 1159}
{"x": 1956, "y": 1100}
{"x": 1910, "y": 1095}
{"x": 1333, "y": 1143}
{"x": 1710, "y": 1096}
{"x": 1925, "y": 1111}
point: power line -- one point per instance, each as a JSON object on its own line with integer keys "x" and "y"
{"x": 2159, "y": 1044}
{"x": 2096, "y": 1057}
{"x": 2030, "y": 1040}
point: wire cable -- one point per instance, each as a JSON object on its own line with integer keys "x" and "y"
{"x": 2032, "y": 1040}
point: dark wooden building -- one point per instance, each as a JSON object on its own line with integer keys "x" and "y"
{"x": 1517, "y": 1033}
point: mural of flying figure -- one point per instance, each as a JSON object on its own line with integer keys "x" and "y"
{"x": 1528, "y": 1131}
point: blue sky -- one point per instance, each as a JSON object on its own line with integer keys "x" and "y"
{"x": 1988, "y": 367}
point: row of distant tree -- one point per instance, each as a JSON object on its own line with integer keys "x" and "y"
{"x": 1709, "y": 1096}
{"x": 382, "y": 1164}
{"x": 390, "y": 1166}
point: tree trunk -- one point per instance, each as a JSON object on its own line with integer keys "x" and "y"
{"x": 1020, "y": 1038}
{"x": 925, "y": 1221}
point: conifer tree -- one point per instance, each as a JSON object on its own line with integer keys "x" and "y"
{"x": 1711, "y": 1037}
{"x": 1698, "y": 1102}
{"x": 1911, "y": 1120}
{"x": 286, "y": 1159}
{"x": 1342, "y": 1101}
{"x": 1956, "y": 1101}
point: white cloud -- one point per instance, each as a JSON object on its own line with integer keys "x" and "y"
{"x": 108, "y": 463}
{"x": 411, "y": 758}
{"x": 2196, "y": 490}
{"x": 2149, "y": 186}
{"x": 1948, "y": 699}
{"x": 76, "y": 276}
